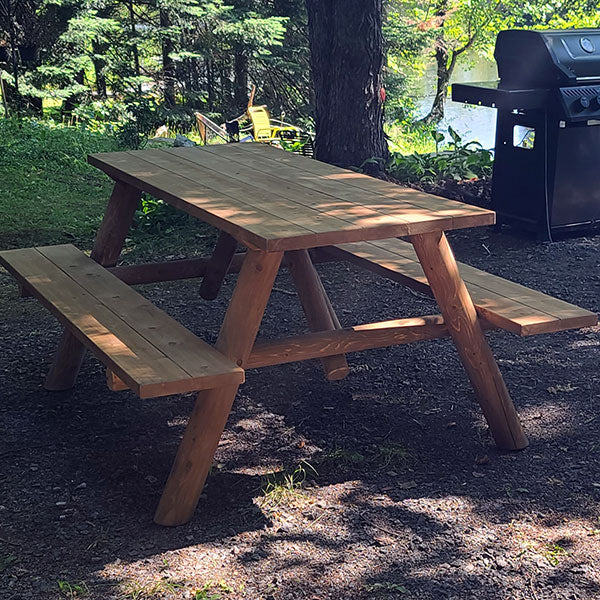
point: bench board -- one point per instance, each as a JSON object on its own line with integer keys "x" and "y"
{"x": 505, "y": 304}
{"x": 147, "y": 349}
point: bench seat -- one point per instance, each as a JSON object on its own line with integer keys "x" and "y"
{"x": 502, "y": 303}
{"x": 148, "y": 350}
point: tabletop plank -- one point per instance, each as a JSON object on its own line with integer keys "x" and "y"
{"x": 463, "y": 215}
{"x": 273, "y": 200}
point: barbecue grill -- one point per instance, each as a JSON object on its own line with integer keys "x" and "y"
{"x": 547, "y": 159}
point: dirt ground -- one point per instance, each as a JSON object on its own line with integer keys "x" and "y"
{"x": 383, "y": 485}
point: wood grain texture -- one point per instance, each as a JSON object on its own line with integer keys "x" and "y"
{"x": 352, "y": 339}
{"x": 463, "y": 325}
{"x": 274, "y": 202}
{"x": 506, "y": 304}
{"x": 188, "y": 268}
{"x": 107, "y": 248}
{"x": 218, "y": 266}
{"x": 317, "y": 308}
{"x": 153, "y": 354}
{"x": 206, "y": 424}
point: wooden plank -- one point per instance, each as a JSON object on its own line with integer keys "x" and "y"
{"x": 133, "y": 358}
{"x": 329, "y": 227}
{"x": 316, "y": 307}
{"x": 206, "y": 424}
{"x": 108, "y": 244}
{"x": 342, "y": 341}
{"x": 463, "y": 325}
{"x": 326, "y": 198}
{"x": 372, "y": 206}
{"x": 186, "y": 268}
{"x": 462, "y": 215}
{"x": 254, "y": 227}
{"x": 204, "y": 366}
{"x": 508, "y": 305}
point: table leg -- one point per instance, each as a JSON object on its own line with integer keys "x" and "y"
{"x": 117, "y": 220}
{"x": 461, "y": 319}
{"x": 218, "y": 266}
{"x": 317, "y": 307}
{"x": 212, "y": 408}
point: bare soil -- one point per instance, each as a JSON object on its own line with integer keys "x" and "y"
{"x": 383, "y": 485}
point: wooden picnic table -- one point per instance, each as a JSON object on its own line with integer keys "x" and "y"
{"x": 290, "y": 211}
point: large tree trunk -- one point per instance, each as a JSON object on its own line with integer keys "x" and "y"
{"x": 346, "y": 57}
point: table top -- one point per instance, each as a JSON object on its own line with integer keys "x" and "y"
{"x": 273, "y": 200}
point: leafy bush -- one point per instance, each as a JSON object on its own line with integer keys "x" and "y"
{"x": 456, "y": 161}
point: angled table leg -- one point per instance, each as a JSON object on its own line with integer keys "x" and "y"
{"x": 117, "y": 220}
{"x": 317, "y": 307}
{"x": 218, "y": 266}
{"x": 206, "y": 424}
{"x": 461, "y": 319}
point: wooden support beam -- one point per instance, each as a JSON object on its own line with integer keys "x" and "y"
{"x": 341, "y": 341}
{"x": 206, "y": 424}
{"x": 317, "y": 308}
{"x": 463, "y": 325}
{"x": 188, "y": 268}
{"x": 217, "y": 267}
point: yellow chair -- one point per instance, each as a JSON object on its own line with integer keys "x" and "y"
{"x": 264, "y": 131}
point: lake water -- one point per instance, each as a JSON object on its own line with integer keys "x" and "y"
{"x": 471, "y": 123}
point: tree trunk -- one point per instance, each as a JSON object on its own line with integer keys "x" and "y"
{"x": 72, "y": 101}
{"x": 99, "y": 49}
{"x": 240, "y": 86}
{"x": 346, "y": 45}
{"x": 168, "y": 64}
{"x": 443, "y": 74}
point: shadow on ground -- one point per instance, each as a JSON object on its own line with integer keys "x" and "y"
{"x": 403, "y": 494}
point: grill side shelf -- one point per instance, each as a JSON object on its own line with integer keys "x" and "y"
{"x": 489, "y": 93}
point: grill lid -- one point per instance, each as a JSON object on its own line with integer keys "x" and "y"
{"x": 548, "y": 58}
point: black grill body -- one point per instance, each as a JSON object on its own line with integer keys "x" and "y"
{"x": 547, "y": 158}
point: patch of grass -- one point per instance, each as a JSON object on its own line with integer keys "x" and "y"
{"x": 7, "y": 561}
{"x": 386, "y": 588}
{"x": 68, "y": 590}
{"x": 377, "y": 457}
{"x": 214, "y": 590}
{"x": 49, "y": 192}
{"x": 553, "y": 553}
{"x": 136, "y": 590}
{"x": 285, "y": 487}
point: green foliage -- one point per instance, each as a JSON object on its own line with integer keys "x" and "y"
{"x": 71, "y": 591}
{"x": 456, "y": 161}
{"x": 283, "y": 488}
{"x": 49, "y": 192}
{"x": 157, "y": 217}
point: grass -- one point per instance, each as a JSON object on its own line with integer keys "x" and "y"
{"x": 70, "y": 591}
{"x": 285, "y": 488}
{"x": 49, "y": 194}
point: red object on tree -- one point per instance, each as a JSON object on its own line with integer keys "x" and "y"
{"x": 382, "y": 94}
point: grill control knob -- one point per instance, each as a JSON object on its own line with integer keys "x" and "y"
{"x": 596, "y": 102}
{"x": 582, "y": 103}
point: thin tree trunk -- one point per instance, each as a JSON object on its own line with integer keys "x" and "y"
{"x": 346, "y": 58}
{"x": 168, "y": 64}
{"x": 99, "y": 49}
{"x": 240, "y": 86}
{"x": 134, "y": 47}
{"x": 443, "y": 73}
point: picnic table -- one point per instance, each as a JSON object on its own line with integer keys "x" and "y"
{"x": 287, "y": 211}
